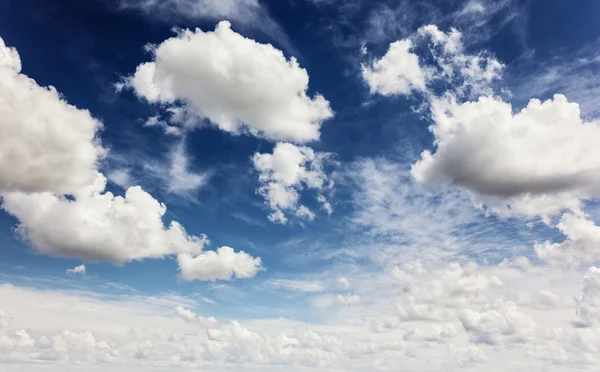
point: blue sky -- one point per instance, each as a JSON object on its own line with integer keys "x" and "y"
{"x": 299, "y": 185}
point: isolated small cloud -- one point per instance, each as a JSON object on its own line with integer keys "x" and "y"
{"x": 224, "y": 264}
{"x": 77, "y": 270}
{"x": 343, "y": 282}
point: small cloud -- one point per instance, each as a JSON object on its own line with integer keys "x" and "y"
{"x": 120, "y": 177}
{"x": 343, "y": 282}
{"x": 296, "y": 285}
{"x": 78, "y": 270}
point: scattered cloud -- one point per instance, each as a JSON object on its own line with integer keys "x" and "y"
{"x": 285, "y": 173}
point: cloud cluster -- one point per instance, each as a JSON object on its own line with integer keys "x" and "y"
{"x": 239, "y": 85}
{"x": 287, "y": 171}
{"x": 50, "y": 181}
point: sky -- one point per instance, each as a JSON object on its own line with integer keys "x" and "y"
{"x": 299, "y": 185}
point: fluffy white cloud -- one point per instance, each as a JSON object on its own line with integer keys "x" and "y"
{"x": 223, "y": 264}
{"x": 191, "y": 316}
{"x": 397, "y": 72}
{"x": 77, "y": 270}
{"x": 498, "y": 323}
{"x": 582, "y": 243}
{"x": 45, "y": 143}
{"x": 236, "y": 83}
{"x": 99, "y": 226}
{"x": 285, "y": 173}
{"x": 537, "y": 161}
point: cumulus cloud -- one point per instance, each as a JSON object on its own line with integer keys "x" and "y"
{"x": 582, "y": 242}
{"x": 538, "y": 161}
{"x": 397, "y": 72}
{"x": 98, "y": 225}
{"x": 224, "y": 264}
{"x": 239, "y": 85}
{"x": 45, "y": 143}
{"x": 79, "y": 270}
{"x": 498, "y": 323}
{"x": 285, "y": 173}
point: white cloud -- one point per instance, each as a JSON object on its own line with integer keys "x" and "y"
{"x": 120, "y": 177}
{"x": 343, "y": 282}
{"x": 537, "y": 161}
{"x": 498, "y": 323}
{"x": 223, "y": 264}
{"x": 80, "y": 270}
{"x": 189, "y": 315}
{"x": 397, "y": 72}
{"x": 99, "y": 226}
{"x": 285, "y": 173}
{"x": 296, "y": 285}
{"x": 589, "y": 304}
{"x": 179, "y": 179}
{"x": 45, "y": 143}
{"x": 236, "y": 83}
{"x": 582, "y": 243}
{"x": 348, "y": 300}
